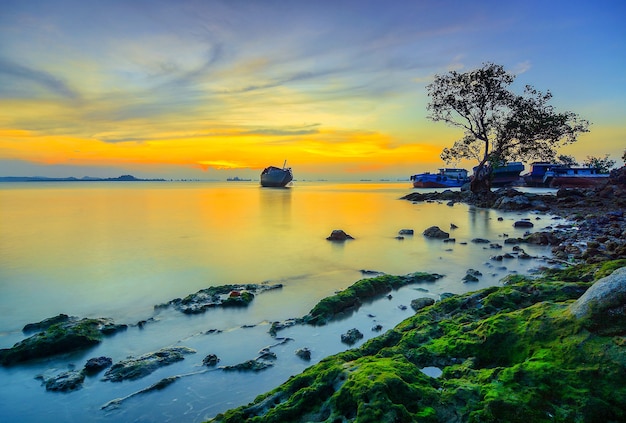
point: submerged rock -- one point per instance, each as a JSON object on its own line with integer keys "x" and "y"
{"x": 304, "y": 353}
{"x": 339, "y": 235}
{"x": 210, "y": 360}
{"x": 96, "y": 364}
{"x": 68, "y": 335}
{"x": 64, "y": 382}
{"x": 435, "y": 232}
{"x": 135, "y": 368}
{"x": 351, "y": 337}
{"x": 218, "y": 296}
{"x": 255, "y": 365}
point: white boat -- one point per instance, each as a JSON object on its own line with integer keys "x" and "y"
{"x": 273, "y": 176}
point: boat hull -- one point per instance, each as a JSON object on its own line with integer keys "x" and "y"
{"x": 274, "y": 177}
{"x": 446, "y": 178}
{"x": 578, "y": 181}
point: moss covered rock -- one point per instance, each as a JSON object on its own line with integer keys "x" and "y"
{"x": 66, "y": 336}
{"x": 352, "y": 297}
{"x": 513, "y": 353}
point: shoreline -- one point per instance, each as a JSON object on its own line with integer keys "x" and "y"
{"x": 575, "y": 229}
{"x": 512, "y": 353}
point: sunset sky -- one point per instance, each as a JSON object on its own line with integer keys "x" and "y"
{"x": 210, "y": 89}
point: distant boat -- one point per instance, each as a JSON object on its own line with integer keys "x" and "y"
{"x": 505, "y": 175}
{"x": 574, "y": 177}
{"x": 446, "y": 178}
{"x": 273, "y": 176}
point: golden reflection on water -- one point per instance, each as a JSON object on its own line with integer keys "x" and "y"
{"x": 115, "y": 246}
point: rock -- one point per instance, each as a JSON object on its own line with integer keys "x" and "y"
{"x": 453, "y": 226}
{"x": 69, "y": 335}
{"x": 523, "y": 224}
{"x": 420, "y": 303}
{"x": 218, "y": 296}
{"x": 210, "y": 360}
{"x": 304, "y": 353}
{"x": 518, "y": 202}
{"x": 377, "y": 328}
{"x": 406, "y": 232}
{"x": 480, "y": 241}
{"x": 46, "y": 323}
{"x": 339, "y": 235}
{"x": 255, "y": 365}
{"x": 135, "y": 368}
{"x": 96, "y": 364}
{"x": 435, "y": 232}
{"x": 543, "y": 238}
{"x": 351, "y": 337}
{"x": 603, "y": 306}
{"x": 65, "y": 382}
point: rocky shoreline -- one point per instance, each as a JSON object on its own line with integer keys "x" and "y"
{"x": 590, "y": 240}
{"x": 595, "y": 225}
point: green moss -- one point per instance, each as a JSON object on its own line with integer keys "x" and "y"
{"x": 510, "y": 354}
{"x": 363, "y": 290}
{"x": 56, "y": 339}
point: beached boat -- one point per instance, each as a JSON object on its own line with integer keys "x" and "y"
{"x": 273, "y": 176}
{"x": 506, "y": 175}
{"x": 537, "y": 172}
{"x": 574, "y": 177}
{"x": 445, "y": 178}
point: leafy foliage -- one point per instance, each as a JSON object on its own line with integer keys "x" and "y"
{"x": 499, "y": 125}
{"x": 603, "y": 164}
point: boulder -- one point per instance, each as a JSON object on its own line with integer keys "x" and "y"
{"x": 64, "y": 382}
{"x": 406, "y": 232}
{"x": 135, "y": 368}
{"x": 517, "y": 202}
{"x": 339, "y": 235}
{"x": 255, "y": 365}
{"x": 46, "y": 323}
{"x": 210, "y": 360}
{"x": 603, "y": 306}
{"x": 435, "y": 232}
{"x": 66, "y": 336}
{"x": 96, "y": 364}
{"x": 304, "y": 353}
{"x": 420, "y": 303}
{"x": 351, "y": 337}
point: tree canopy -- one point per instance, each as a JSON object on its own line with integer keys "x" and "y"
{"x": 499, "y": 125}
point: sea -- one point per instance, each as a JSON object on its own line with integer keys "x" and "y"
{"x": 118, "y": 249}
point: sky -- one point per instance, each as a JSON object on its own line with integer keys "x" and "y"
{"x": 210, "y": 89}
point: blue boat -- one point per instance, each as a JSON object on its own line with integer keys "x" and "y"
{"x": 509, "y": 174}
{"x": 445, "y": 178}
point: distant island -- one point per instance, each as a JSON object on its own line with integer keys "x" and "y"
{"x": 123, "y": 178}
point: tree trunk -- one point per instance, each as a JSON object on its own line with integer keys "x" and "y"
{"x": 481, "y": 183}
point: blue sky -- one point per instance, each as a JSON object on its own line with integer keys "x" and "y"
{"x": 214, "y": 88}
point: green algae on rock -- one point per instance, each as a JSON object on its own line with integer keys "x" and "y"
{"x": 352, "y": 297}
{"x": 67, "y": 335}
{"x": 513, "y": 353}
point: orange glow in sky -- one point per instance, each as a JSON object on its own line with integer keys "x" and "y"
{"x": 195, "y": 90}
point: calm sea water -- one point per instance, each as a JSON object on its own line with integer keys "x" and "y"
{"x": 117, "y": 249}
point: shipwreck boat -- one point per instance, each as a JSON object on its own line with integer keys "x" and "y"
{"x": 273, "y": 176}
{"x": 537, "y": 172}
{"x": 508, "y": 174}
{"x": 574, "y": 177}
{"x": 445, "y": 178}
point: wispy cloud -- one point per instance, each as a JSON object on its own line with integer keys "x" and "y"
{"x": 14, "y": 73}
